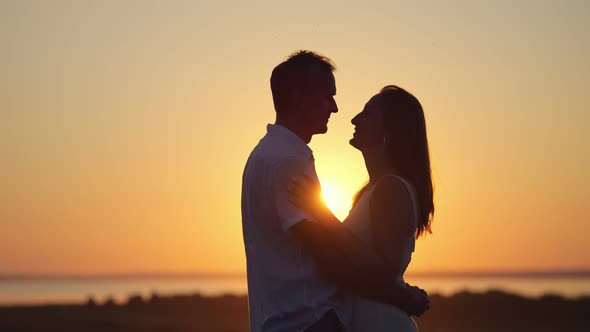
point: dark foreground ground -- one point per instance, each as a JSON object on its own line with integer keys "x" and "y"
{"x": 492, "y": 311}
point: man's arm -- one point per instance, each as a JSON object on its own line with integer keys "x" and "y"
{"x": 346, "y": 260}
{"x": 341, "y": 257}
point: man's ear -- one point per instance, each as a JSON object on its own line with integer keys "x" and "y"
{"x": 296, "y": 98}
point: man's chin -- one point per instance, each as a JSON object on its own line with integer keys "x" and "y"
{"x": 322, "y": 130}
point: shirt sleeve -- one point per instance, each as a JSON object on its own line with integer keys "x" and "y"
{"x": 282, "y": 172}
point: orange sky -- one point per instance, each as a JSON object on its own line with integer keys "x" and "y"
{"x": 125, "y": 127}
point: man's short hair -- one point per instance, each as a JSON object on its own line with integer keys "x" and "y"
{"x": 293, "y": 74}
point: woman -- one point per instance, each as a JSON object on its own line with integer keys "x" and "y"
{"x": 396, "y": 206}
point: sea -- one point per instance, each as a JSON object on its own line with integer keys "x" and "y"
{"x": 26, "y": 290}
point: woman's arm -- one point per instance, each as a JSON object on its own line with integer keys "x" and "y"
{"x": 391, "y": 219}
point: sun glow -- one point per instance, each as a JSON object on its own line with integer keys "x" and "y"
{"x": 334, "y": 197}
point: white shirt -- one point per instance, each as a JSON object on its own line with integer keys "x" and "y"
{"x": 285, "y": 291}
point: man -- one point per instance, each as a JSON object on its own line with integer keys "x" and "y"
{"x": 297, "y": 268}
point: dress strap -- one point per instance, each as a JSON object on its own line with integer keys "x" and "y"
{"x": 411, "y": 191}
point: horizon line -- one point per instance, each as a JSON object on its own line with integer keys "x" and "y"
{"x": 545, "y": 273}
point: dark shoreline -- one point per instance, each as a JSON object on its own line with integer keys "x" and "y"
{"x": 465, "y": 311}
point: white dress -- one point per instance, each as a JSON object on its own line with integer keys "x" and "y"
{"x": 373, "y": 316}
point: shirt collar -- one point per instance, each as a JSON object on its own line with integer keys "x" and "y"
{"x": 291, "y": 139}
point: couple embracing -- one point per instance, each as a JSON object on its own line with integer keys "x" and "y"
{"x": 307, "y": 270}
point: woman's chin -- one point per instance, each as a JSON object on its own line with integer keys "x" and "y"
{"x": 353, "y": 142}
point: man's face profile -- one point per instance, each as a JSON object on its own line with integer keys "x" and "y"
{"x": 317, "y": 103}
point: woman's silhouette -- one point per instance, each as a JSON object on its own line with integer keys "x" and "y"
{"x": 396, "y": 206}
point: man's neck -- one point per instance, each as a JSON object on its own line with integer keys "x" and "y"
{"x": 294, "y": 128}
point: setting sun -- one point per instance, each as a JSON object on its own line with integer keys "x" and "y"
{"x": 335, "y": 198}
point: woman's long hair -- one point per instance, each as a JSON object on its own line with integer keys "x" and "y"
{"x": 407, "y": 149}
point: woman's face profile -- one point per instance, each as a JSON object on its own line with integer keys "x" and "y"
{"x": 368, "y": 125}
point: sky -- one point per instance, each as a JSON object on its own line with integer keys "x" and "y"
{"x": 125, "y": 126}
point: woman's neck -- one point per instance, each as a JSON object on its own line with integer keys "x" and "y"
{"x": 377, "y": 166}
